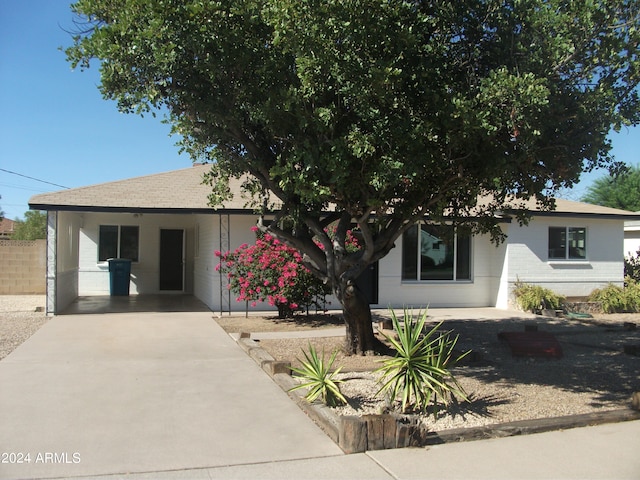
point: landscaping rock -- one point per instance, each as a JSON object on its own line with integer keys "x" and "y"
{"x": 583, "y": 307}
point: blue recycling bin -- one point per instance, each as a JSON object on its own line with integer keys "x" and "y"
{"x": 119, "y": 275}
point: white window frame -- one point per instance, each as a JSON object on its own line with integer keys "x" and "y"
{"x": 455, "y": 262}
{"x": 567, "y": 247}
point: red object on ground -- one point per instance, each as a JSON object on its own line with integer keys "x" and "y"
{"x": 532, "y": 344}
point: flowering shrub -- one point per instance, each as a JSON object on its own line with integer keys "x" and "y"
{"x": 273, "y": 272}
{"x": 632, "y": 267}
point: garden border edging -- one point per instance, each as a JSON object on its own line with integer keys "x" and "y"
{"x": 355, "y": 434}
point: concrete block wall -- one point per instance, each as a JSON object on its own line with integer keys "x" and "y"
{"x": 22, "y": 267}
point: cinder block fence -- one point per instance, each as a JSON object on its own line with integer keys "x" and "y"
{"x": 22, "y": 267}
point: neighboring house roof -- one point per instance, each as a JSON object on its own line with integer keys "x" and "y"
{"x": 632, "y": 225}
{"x": 183, "y": 191}
{"x": 7, "y": 227}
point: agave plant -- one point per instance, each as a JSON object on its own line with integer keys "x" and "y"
{"x": 420, "y": 371}
{"x": 318, "y": 377}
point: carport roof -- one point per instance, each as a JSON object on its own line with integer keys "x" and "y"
{"x": 182, "y": 191}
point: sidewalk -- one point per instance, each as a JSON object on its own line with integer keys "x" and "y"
{"x": 602, "y": 452}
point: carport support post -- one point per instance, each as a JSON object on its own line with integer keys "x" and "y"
{"x": 52, "y": 247}
{"x": 225, "y": 245}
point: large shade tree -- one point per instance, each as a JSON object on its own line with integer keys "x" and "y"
{"x": 619, "y": 190}
{"x": 374, "y": 113}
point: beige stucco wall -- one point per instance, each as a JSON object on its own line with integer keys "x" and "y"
{"x": 22, "y": 267}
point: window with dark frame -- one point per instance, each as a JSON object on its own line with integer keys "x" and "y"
{"x": 436, "y": 252}
{"x": 118, "y": 241}
{"x": 108, "y": 242}
{"x": 567, "y": 243}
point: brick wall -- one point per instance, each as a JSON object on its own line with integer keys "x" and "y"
{"x": 22, "y": 267}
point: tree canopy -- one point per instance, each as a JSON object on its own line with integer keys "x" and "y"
{"x": 621, "y": 190}
{"x": 382, "y": 113}
{"x": 33, "y": 227}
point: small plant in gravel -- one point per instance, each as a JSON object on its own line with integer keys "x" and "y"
{"x": 420, "y": 373}
{"x": 317, "y": 376}
{"x": 533, "y": 298}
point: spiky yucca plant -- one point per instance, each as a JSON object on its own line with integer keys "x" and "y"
{"x": 420, "y": 371}
{"x": 318, "y": 377}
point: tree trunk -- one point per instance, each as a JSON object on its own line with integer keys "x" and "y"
{"x": 284, "y": 310}
{"x": 357, "y": 318}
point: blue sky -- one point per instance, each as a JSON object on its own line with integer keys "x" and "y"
{"x": 55, "y": 126}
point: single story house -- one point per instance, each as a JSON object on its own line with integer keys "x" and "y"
{"x": 163, "y": 224}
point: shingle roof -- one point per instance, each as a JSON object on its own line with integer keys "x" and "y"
{"x": 7, "y": 227}
{"x": 571, "y": 208}
{"x": 178, "y": 190}
{"x": 183, "y": 191}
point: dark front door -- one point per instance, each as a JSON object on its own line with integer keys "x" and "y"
{"x": 171, "y": 260}
{"x": 367, "y": 282}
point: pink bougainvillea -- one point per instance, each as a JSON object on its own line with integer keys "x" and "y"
{"x": 270, "y": 271}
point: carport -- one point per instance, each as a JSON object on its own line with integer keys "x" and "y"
{"x": 162, "y": 223}
{"x": 134, "y": 303}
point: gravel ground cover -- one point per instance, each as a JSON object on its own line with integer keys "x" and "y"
{"x": 594, "y": 375}
{"x": 20, "y": 317}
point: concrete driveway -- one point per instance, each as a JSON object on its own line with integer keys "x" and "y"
{"x": 143, "y": 392}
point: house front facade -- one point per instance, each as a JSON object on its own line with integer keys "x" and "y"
{"x": 162, "y": 223}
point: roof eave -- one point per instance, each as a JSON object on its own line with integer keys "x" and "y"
{"x": 604, "y": 216}
{"x": 147, "y": 210}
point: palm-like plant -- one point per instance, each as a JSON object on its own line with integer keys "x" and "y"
{"x": 318, "y": 377}
{"x": 420, "y": 371}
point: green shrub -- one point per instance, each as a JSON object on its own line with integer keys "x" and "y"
{"x": 533, "y": 298}
{"x": 616, "y": 299}
{"x": 317, "y": 376}
{"x": 420, "y": 371}
{"x": 632, "y": 267}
